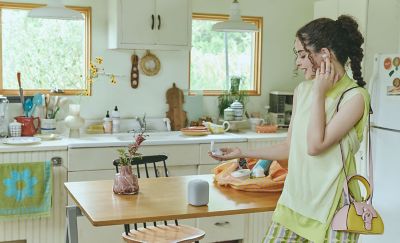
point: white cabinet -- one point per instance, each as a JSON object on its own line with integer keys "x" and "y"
{"x": 221, "y": 228}
{"x": 258, "y": 223}
{"x": 150, "y": 24}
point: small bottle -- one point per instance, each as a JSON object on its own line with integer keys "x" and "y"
{"x": 107, "y": 124}
{"x": 115, "y": 120}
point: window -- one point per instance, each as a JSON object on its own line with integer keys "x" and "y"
{"x": 48, "y": 53}
{"x": 208, "y": 70}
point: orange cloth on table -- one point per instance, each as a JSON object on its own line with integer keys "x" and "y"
{"x": 271, "y": 183}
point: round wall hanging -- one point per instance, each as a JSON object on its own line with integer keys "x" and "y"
{"x": 150, "y": 64}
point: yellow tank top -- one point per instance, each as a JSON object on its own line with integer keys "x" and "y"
{"x": 314, "y": 184}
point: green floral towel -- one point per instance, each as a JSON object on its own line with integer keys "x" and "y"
{"x": 25, "y": 189}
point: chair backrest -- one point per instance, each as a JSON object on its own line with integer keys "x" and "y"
{"x": 156, "y": 161}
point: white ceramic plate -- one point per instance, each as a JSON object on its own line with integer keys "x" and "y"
{"x": 45, "y": 137}
{"x": 21, "y": 140}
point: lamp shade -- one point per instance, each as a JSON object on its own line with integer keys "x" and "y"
{"x": 55, "y": 10}
{"x": 235, "y": 22}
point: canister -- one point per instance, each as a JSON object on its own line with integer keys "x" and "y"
{"x": 238, "y": 108}
{"x": 229, "y": 114}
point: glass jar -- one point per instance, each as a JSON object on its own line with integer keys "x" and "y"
{"x": 3, "y": 116}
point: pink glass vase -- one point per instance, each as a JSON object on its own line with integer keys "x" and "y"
{"x": 125, "y": 182}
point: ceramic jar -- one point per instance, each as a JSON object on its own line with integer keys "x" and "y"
{"x": 48, "y": 126}
{"x": 238, "y": 109}
{"x": 74, "y": 121}
{"x": 229, "y": 114}
{"x": 15, "y": 129}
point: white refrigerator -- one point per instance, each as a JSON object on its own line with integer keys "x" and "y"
{"x": 384, "y": 88}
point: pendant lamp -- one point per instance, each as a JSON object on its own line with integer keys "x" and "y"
{"x": 235, "y": 22}
{"x": 55, "y": 10}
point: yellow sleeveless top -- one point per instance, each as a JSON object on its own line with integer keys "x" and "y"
{"x": 314, "y": 184}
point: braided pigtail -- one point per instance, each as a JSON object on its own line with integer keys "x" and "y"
{"x": 354, "y": 42}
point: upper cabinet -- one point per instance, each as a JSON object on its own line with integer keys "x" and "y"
{"x": 150, "y": 24}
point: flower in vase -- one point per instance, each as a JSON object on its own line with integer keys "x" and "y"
{"x": 125, "y": 157}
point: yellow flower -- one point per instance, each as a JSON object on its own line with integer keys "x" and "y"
{"x": 99, "y": 60}
{"x": 113, "y": 79}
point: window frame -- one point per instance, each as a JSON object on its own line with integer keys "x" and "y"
{"x": 87, "y": 11}
{"x": 258, "y": 21}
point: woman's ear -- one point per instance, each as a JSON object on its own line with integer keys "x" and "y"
{"x": 325, "y": 53}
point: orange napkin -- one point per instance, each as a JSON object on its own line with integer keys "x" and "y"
{"x": 271, "y": 183}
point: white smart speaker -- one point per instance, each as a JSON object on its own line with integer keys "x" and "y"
{"x": 198, "y": 192}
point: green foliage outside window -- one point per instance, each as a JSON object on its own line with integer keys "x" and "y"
{"x": 208, "y": 69}
{"x": 48, "y": 53}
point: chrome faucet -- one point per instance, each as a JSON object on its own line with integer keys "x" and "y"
{"x": 142, "y": 122}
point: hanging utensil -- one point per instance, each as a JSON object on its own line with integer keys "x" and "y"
{"x": 21, "y": 91}
{"x": 37, "y": 101}
{"x": 28, "y": 104}
{"x": 135, "y": 71}
{"x": 46, "y": 103}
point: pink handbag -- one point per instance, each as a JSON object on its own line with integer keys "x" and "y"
{"x": 358, "y": 217}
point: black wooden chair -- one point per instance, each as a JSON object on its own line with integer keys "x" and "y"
{"x": 158, "y": 232}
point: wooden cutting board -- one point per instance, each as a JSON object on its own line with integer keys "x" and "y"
{"x": 176, "y": 114}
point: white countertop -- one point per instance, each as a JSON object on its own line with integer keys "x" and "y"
{"x": 123, "y": 139}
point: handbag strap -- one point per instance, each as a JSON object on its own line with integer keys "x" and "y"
{"x": 348, "y": 197}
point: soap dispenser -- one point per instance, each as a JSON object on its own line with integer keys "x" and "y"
{"x": 107, "y": 123}
{"x": 115, "y": 120}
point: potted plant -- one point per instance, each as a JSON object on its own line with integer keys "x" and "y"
{"x": 234, "y": 93}
{"x": 125, "y": 182}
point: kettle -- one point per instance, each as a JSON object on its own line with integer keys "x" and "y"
{"x": 3, "y": 116}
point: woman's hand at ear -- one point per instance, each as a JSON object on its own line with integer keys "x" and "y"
{"x": 325, "y": 77}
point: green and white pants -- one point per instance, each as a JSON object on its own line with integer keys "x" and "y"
{"x": 279, "y": 234}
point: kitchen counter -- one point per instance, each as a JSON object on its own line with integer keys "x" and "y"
{"x": 156, "y": 138}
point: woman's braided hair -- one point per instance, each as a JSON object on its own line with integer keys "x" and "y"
{"x": 341, "y": 36}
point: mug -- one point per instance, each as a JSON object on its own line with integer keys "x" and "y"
{"x": 255, "y": 122}
{"x": 214, "y": 128}
{"x": 28, "y": 127}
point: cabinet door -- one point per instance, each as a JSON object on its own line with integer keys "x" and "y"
{"x": 221, "y": 228}
{"x": 137, "y": 19}
{"x": 173, "y": 22}
{"x": 40, "y": 229}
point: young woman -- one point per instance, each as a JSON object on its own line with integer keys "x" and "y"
{"x": 313, "y": 189}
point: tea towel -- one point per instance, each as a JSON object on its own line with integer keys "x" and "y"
{"x": 25, "y": 189}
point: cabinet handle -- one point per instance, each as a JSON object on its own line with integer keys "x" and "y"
{"x": 152, "y": 21}
{"x": 159, "y": 21}
{"x": 221, "y": 223}
{"x": 57, "y": 161}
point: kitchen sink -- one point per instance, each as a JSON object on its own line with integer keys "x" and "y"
{"x": 149, "y": 136}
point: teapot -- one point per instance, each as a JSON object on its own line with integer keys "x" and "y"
{"x": 215, "y": 128}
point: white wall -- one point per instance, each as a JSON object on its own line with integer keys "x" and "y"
{"x": 281, "y": 19}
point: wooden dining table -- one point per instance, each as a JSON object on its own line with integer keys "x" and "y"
{"x": 158, "y": 199}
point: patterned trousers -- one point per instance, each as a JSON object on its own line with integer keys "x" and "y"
{"x": 279, "y": 234}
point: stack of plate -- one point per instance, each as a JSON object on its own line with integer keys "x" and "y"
{"x": 195, "y": 131}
